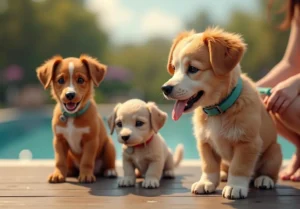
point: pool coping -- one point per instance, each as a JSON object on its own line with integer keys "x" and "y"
{"x": 50, "y": 163}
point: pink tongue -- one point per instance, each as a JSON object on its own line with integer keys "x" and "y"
{"x": 71, "y": 106}
{"x": 178, "y": 109}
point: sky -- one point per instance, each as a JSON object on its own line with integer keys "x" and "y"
{"x": 135, "y": 21}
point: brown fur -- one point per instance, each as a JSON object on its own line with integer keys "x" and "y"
{"x": 95, "y": 144}
{"x": 244, "y": 137}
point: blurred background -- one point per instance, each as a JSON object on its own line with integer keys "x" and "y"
{"x": 133, "y": 38}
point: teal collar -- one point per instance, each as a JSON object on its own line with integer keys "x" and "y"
{"x": 78, "y": 113}
{"x": 226, "y": 103}
{"x": 264, "y": 90}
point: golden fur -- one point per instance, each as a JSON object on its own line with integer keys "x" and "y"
{"x": 93, "y": 153}
{"x": 141, "y": 121}
{"x": 243, "y": 137}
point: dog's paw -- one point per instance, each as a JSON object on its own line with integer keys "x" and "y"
{"x": 264, "y": 182}
{"x": 127, "y": 181}
{"x": 86, "y": 178}
{"x": 110, "y": 173}
{"x": 56, "y": 177}
{"x": 223, "y": 176}
{"x": 150, "y": 183}
{"x": 234, "y": 192}
{"x": 169, "y": 174}
{"x": 203, "y": 187}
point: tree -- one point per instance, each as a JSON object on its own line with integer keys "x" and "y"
{"x": 265, "y": 43}
{"x": 32, "y": 32}
{"x": 200, "y": 22}
{"x": 147, "y": 63}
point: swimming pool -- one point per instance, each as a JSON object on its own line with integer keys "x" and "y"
{"x": 31, "y": 130}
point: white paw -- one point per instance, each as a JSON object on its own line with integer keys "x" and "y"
{"x": 150, "y": 182}
{"x": 203, "y": 187}
{"x": 169, "y": 174}
{"x": 264, "y": 182}
{"x": 110, "y": 173}
{"x": 127, "y": 181}
{"x": 223, "y": 176}
{"x": 235, "y": 192}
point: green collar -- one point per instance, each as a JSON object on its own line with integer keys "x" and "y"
{"x": 226, "y": 103}
{"x": 78, "y": 113}
{"x": 264, "y": 90}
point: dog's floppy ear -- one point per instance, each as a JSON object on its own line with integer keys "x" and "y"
{"x": 179, "y": 37}
{"x": 111, "y": 119}
{"x": 45, "y": 71}
{"x": 157, "y": 117}
{"x": 225, "y": 49}
{"x": 96, "y": 70}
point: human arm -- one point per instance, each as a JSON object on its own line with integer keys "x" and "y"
{"x": 290, "y": 63}
{"x": 283, "y": 94}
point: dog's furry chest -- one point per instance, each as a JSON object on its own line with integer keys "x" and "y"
{"x": 142, "y": 157}
{"x": 73, "y": 134}
{"x": 219, "y": 136}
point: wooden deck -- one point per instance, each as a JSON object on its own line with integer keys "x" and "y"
{"x": 26, "y": 187}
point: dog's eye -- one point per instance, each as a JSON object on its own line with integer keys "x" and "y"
{"x": 192, "y": 69}
{"x": 139, "y": 123}
{"x": 173, "y": 67}
{"x": 119, "y": 124}
{"x": 80, "y": 80}
{"x": 61, "y": 81}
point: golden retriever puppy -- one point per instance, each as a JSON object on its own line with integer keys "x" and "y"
{"x": 137, "y": 124}
{"x": 230, "y": 122}
{"x": 81, "y": 143}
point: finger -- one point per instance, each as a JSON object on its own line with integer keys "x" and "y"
{"x": 284, "y": 106}
{"x": 271, "y": 101}
{"x": 278, "y": 104}
{"x": 266, "y": 99}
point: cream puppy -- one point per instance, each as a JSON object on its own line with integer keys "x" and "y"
{"x": 137, "y": 124}
{"x": 230, "y": 122}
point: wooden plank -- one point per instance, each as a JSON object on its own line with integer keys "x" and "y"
{"x": 27, "y": 188}
{"x": 133, "y": 202}
{"x": 106, "y": 184}
{"x": 138, "y": 192}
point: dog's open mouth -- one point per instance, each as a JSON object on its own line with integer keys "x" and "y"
{"x": 184, "y": 105}
{"x": 71, "y": 106}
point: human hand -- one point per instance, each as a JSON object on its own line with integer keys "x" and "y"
{"x": 282, "y": 96}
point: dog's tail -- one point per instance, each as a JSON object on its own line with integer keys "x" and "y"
{"x": 178, "y": 155}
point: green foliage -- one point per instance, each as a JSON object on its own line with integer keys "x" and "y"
{"x": 33, "y": 31}
{"x": 148, "y": 63}
{"x": 265, "y": 43}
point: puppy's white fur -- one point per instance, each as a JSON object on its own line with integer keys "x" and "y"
{"x": 153, "y": 158}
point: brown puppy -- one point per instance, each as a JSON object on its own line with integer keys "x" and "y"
{"x": 80, "y": 139}
{"x": 230, "y": 121}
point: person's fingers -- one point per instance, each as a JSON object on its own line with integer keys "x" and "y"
{"x": 284, "y": 106}
{"x": 271, "y": 101}
{"x": 278, "y": 104}
{"x": 266, "y": 99}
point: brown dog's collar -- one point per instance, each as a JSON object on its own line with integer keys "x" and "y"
{"x": 144, "y": 143}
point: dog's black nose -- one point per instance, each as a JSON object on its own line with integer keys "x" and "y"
{"x": 167, "y": 89}
{"x": 125, "y": 138}
{"x": 70, "y": 95}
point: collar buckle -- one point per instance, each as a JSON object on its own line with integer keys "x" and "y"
{"x": 216, "y": 107}
{"x": 219, "y": 109}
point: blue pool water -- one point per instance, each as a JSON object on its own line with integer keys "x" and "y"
{"x": 32, "y": 131}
